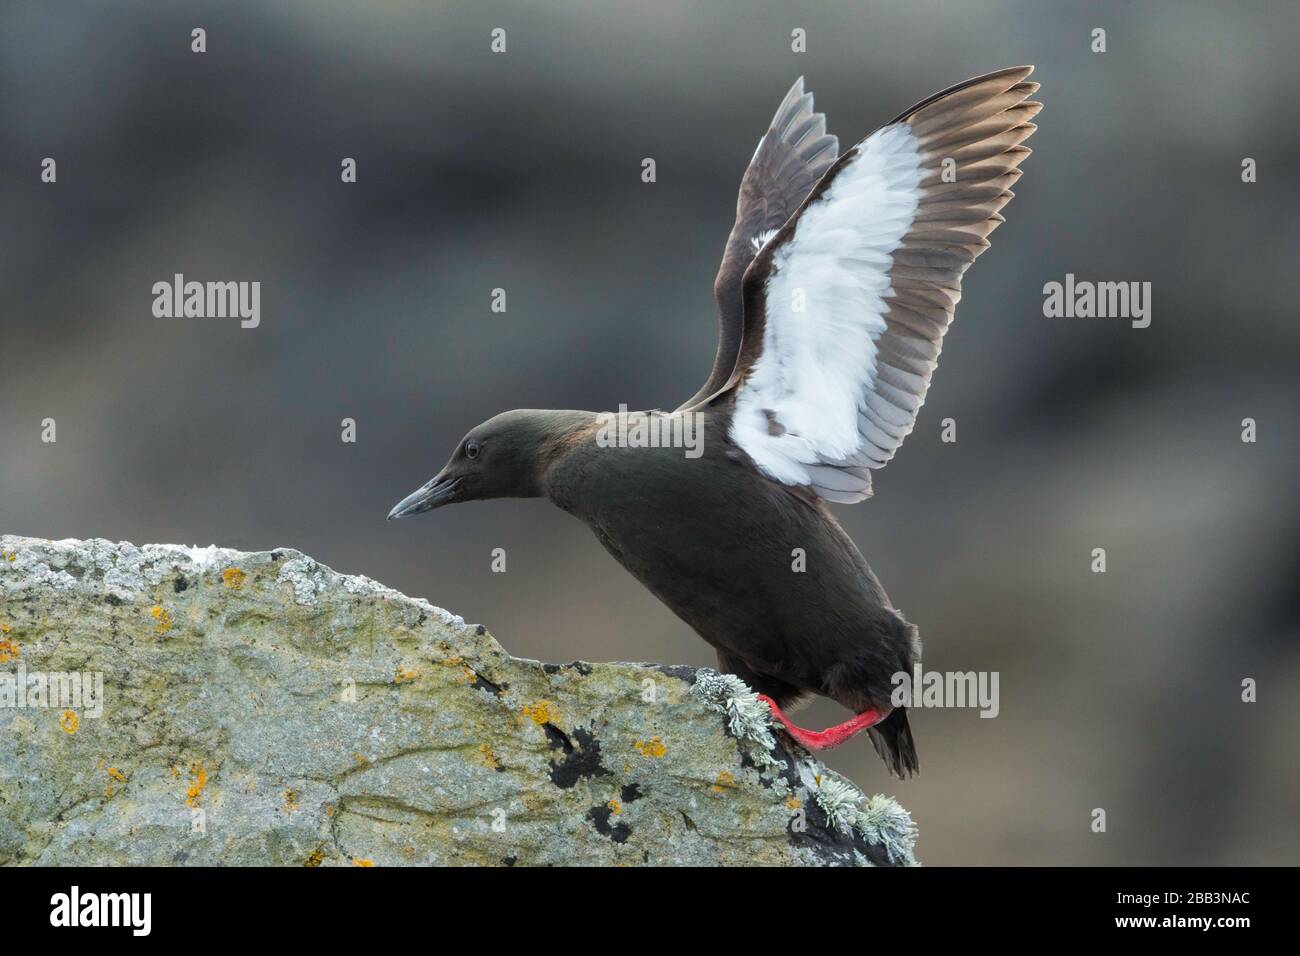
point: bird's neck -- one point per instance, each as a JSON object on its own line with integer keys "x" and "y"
{"x": 558, "y": 432}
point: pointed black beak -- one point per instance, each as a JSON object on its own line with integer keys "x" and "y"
{"x": 431, "y": 495}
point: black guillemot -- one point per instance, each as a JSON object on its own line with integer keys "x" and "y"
{"x": 838, "y": 282}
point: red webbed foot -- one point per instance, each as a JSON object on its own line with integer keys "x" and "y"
{"x": 831, "y": 736}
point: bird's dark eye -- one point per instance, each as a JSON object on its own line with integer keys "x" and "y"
{"x": 471, "y": 449}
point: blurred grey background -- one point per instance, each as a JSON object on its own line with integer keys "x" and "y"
{"x": 522, "y": 171}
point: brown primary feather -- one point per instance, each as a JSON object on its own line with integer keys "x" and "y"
{"x": 792, "y": 156}
{"x": 980, "y": 125}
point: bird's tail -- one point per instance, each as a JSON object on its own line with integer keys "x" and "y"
{"x": 892, "y": 738}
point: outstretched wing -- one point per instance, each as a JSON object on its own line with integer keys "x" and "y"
{"x": 792, "y": 155}
{"x": 846, "y": 307}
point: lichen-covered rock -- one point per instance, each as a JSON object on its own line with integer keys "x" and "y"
{"x": 172, "y": 705}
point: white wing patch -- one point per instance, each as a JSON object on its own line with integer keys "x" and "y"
{"x": 798, "y": 411}
{"x": 762, "y": 239}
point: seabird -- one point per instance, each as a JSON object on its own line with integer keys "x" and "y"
{"x": 838, "y": 282}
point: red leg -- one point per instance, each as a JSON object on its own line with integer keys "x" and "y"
{"x": 831, "y": 736}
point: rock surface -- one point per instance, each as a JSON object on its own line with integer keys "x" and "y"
{"x": 261, "y": 709}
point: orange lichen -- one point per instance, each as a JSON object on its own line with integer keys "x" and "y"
{"x": 363, "y": 862}
{"x": 488, "y": 756}
{"x": 159, "y": 614}
{"x": 69, "y": 721}
{"x": 470, "y": 675}
{"x": 315, "y": 857}
{"x": 793, "y": 802}
{"x": 290, "y": 801}
{"x": 195, "y": 791}
{"x": 9, "y": 650}
{"x": 615, "y": 807}
{"x": 542, "y": 712}
{"x": 724, "y": 781}
{"x": 114, "y": 774}
{"x": 654, "y": 747}
{"x": 405, "y": 675}
{"x": 176, "y": 773}
{"x": 233, "y": 578}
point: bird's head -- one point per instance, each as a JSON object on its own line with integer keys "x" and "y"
{"x": 505, "y": 457}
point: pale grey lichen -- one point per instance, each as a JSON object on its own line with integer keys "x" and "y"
{"x": 202, "y": 558}
{"x": 748, "y": 718}
{"x": 839, "y": 801}
{"x": 31, "y": 573}
{"x": 309, "y": 579}
{"x": 38, "y": 574}
{"x": 880, "y": 819}
{"x": 885, "y": 821}
{"x": 361, "y": 585}
{"x": 119, "y": 568}
{"x": 304, "y": 576}
{"x": 442, "y": 614}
